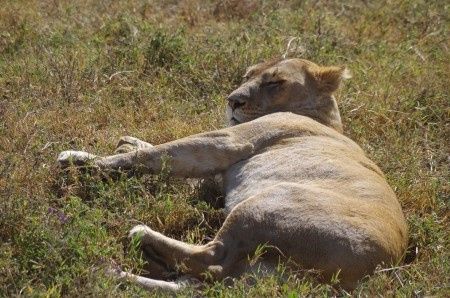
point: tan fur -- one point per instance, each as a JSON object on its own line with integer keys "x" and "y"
{"x": 291, "y": 179}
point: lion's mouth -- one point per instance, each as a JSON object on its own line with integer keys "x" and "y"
{"x": 234, "y": 121}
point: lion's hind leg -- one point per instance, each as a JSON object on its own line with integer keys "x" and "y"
{"x": 228, "y": 255}
{"x": 149, "y": 283}
{"x": 199, "y": 261}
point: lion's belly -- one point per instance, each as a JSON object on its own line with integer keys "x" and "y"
{"x": 303, "y": 160}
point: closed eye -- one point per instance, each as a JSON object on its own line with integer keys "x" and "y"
{"x": 272, "y": 83}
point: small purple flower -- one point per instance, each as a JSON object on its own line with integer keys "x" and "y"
{"x": 59, "y": 214}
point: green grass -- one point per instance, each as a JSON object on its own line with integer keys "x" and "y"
{"x": 80, "y": 74}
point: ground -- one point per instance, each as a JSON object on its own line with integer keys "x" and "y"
{"x": 80, "y": 74}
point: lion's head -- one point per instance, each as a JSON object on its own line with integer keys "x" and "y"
{"x": 291, "y": 85}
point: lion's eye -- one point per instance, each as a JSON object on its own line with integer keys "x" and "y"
{"x": 272, "y": 83}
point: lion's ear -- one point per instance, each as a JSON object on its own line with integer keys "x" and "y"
{"x": 328, "y": 78}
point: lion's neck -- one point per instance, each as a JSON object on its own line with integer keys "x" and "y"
{"x": 325, "y": 111}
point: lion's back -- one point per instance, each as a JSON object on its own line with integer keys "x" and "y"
{"x": 327, "y": 159}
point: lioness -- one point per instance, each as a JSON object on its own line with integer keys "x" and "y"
{"x": 292, "y": 182}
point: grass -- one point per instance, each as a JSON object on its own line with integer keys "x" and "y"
{"x": 80, "y": 74}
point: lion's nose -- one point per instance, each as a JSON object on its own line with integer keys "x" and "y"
{"x": 235, "y": 103}
{"x": 236, "y": 100}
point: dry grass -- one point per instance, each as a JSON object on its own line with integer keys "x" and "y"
{"x": 80, "y": 74}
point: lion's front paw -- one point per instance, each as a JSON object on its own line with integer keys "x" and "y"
{"x": 128, "y": 144}
{"x": 77, "y": 158}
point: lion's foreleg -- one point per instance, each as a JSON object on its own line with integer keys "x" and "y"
{"x": 129, "y": 144}
{"x": 196, "y": 156}
{"x": 189, "y": 157}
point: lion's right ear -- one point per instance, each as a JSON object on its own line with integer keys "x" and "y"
{"x": 328, "y": 78}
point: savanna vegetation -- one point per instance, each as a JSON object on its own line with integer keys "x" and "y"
{"x": 80, "y": 74}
